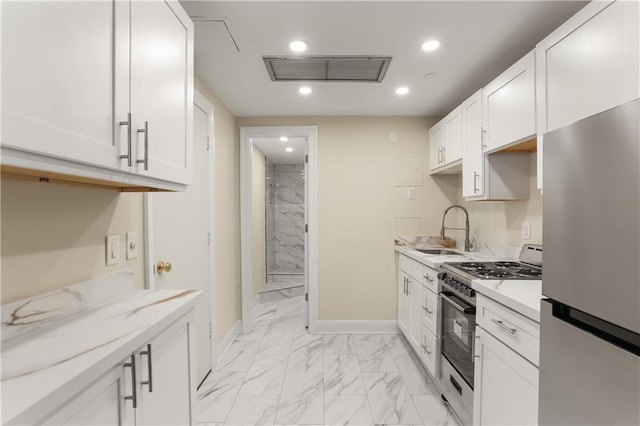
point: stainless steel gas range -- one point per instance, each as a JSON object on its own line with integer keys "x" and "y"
{"x": 458, "y": 320}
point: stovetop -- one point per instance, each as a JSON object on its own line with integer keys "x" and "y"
{"x": 506, "y": 270}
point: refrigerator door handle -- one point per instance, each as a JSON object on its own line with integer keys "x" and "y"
{"x": 621, "y": 337}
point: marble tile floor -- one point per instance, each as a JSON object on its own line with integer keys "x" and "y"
{"x": 279, "y": 374}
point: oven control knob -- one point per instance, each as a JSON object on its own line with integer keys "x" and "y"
{"x": 469, "y": 292}
{"x": 460, "y": 287}
{"x": 448, "y": 280}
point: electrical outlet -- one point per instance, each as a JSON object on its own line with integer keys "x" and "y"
{"x": 526, "y": 230}
{"x": 112, "y": 249}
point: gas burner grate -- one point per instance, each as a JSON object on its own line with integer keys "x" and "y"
{"x": 470, "y": 266}
{"x": 507, "y": 265}
{"x": 491, "y": 273}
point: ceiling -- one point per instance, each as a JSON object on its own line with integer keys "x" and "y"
{"x": 478, "y": 39}
{"x": 274, "y": 149}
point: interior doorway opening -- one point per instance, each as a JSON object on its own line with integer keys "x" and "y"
{"x": 282, "y": 162}
{"x": 278, "y": 205}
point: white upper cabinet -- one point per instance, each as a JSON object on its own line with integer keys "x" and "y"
{"x": 59, "y": 72}
{"x": 509, "y": 105}
{"x": 436, "y": 137}
{"x": 161, "y": 89}
{"x": 473, "y": 147}
{"x": 588, "y": 65}
{"x": 83, "y": 80}
{"x": 446, "y": 143}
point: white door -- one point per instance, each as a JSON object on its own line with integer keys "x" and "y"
{"x": 306, "y": 234}
{"x": 180, "y": 235}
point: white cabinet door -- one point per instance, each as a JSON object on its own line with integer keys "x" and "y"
{"x": 162, "y": 89}
{"x": 404, "y": 310}
{"x": 415, "y": 316}
{"x": 452, "y": 149}
{"x": 588, "y": 65}
{"x": 473, "y": 147}
{"x": 509, "y": 105}
{"x": 102, "y": 403}
{"x": 506, "y": 385}
{"x": 428, "y": 351}
{"x": 62, "y": 65}
{"x": 436, "y": 138}
{"x": 430, "y": 310}
{"x": 165, "y": 382}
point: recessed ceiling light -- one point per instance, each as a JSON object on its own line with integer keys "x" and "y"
{"x": 305, "y": 90}
{"x": 283, "y": 139}
{"x": 402, "y": 90}
{"x": 298, "y": 46}
{"x": 430, "y": 45}
{"x": 288, "y": 149}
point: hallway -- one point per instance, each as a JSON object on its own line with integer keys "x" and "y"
{"x": 280, "y": 374}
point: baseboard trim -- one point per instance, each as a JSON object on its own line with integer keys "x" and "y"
{"x": 223, "y": 346}
{"x": 357, "y": 327}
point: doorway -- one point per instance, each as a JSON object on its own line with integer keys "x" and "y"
{"x": 178, "y": 231}
{"x": 278, "y": 208}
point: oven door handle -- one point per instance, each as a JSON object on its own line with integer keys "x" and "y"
{"x": 458, "y": 304}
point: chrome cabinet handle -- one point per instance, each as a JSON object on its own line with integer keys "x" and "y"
{"x": 428, "y": 278}
{"x": 475, "y": 185}
{"x": 134, "y": 396}
{"x": 149, "y": 368}
{"x": 427, "y": 310}
{"x": 145, "y": 161}
{"x": 426, "y": 349}
{"x": 128, "y": 124}
{"x": 444, "y": 155}
{"x": 501, "y": 324}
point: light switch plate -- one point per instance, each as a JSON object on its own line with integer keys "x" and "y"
{"x": 411, "y": 193}
{"x": 112, "y": 249}
{"x": 132, "y": 245}
{"x": 393, "y": 137}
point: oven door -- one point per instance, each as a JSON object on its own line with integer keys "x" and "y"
{"x": 458, "y": 334}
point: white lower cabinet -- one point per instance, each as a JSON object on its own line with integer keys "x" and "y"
{"x": 506, "y": 384}
{"x": 418, "y": 311}
{"x": 152, "y": 386}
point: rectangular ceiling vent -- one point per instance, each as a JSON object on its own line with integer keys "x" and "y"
{"x": 370, "y": 69}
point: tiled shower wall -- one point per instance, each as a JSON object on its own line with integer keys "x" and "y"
{"x": 285, "y": 218}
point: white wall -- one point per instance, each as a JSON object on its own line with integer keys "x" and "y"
{"x": 53, "y": 235}
{"x": 361, "y": 210}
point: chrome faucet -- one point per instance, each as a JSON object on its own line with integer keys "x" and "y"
{"x": 467, "y": 242}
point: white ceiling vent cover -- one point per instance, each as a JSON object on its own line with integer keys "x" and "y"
{"x": 370, "y": 69}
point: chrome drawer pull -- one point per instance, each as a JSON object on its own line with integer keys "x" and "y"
{"x": 134, "y": 396}
{"x": 128, "y": 124}
{"x": 427, "y": 310}
{"x": 145, "y": 130}
{"x": 428, "y": 278}
{"x": 426, "y": 349}
{"x": 500, "y": 324}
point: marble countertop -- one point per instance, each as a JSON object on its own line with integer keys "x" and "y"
{"x": 522, "y": 296}
{"x": 44, "y": 367}
{"x": 434, "y": 260}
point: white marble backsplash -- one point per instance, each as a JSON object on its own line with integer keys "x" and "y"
{"x": 490, "y": 249}
{"x": 31, "y": 314}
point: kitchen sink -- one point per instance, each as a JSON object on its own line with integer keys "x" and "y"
{"x": 438, "y": 252}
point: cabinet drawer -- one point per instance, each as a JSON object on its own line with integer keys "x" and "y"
{"x": 430, "y": 310}
{"x": 421, "y": 273}
{"x": 516, "y": 331}
{"x": 429, "y": 351}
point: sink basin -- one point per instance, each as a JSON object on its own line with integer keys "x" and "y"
{"x": 438, "y": 252}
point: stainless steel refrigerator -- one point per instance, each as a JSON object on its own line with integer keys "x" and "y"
{"x": 590, "y": 323}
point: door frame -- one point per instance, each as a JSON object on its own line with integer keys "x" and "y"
{"x": 247, "y": 134}
{"x": 200, "y": 101}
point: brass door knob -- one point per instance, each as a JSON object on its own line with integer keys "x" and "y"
{"x": 163, "y": 267}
